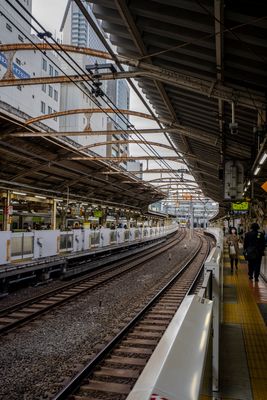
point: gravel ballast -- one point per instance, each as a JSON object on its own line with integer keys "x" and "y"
{"x": 38, "y": 359}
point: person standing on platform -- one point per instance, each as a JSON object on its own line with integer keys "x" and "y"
{"x": 254, "y": 245}
{"x": 232, "y": 242}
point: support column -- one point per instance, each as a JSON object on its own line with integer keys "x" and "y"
{"x": 54, "y": 215}
{"x": 191, "y": 219}
{"x": 6, "y": 213}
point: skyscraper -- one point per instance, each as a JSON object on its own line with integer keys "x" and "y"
{"x": 78, "y": 32}
{"x": 26, "y": 101}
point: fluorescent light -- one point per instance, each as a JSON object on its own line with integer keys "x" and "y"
{"x": 257, "y": 170}
{"x": 263, "y": 158}
{"x": 22, "y": 194}
{"x": 248, "y": 183}
{"x": 40, "y": 197}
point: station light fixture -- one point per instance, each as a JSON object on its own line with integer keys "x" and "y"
{"x": 257, "y": 170}
{"x": 263, "y": 158}
{"x": 20, "y": 193}
{"x": 40, "y": 197}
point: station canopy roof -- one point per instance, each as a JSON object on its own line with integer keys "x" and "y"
{"x": 203, "y": 66}
{"x": 41, "y": 165}
{"x": 215, "y": 53}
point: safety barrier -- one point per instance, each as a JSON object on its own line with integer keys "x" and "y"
{"x": 66, "y": 241}
{"x": 44, "y": 243}
{"x": 176, "y": 368}
{"x": 21, "y": 245}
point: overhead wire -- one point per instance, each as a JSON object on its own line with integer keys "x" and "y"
{"x": 10, "y": 21}
{"x": 124, "y": 120}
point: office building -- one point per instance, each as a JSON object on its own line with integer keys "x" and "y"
{"x": 26, "y": 101}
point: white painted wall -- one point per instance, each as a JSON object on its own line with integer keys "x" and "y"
{"x": 46, "y": 243}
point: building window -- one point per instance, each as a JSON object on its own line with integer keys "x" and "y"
{"x": 18, "y": 61}
{"x": 42, "y": 107}
{"x": 20, "y": 38}
{"x": 49, "y": 110}
{"x": 56, "y": 72}
{"x": 44, "y": 64}
{"x": 51, "y": 69}
{"x": 44, "y": 87}
{"x": 50, "y": 91}
{"x": 55, "y": 95}
{"x": 55, "y": 118}
{"x": 9, "y": 27}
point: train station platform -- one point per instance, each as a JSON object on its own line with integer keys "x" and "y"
{"x": 68, "y": 254}
{"x": 243, "y": 344}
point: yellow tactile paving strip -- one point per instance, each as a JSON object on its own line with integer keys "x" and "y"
{"x": 246, "y": 313}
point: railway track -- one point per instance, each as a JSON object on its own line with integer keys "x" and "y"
{"x": 23, "y": 312}
{"x": 114, "y": 371}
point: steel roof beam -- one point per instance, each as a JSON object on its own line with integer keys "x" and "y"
{"x": 90, "y": 133}
{"x": 191, "y": 132}
{"x": 208, "y": 88}
{"x": 133, "y": 158}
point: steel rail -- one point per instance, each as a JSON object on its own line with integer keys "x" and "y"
{"x": 75, "y": 383}
{"x": 24, "y": 313}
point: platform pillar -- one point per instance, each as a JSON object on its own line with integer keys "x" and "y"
{"x": 6, "y": 213}
{"x": 54, "y": 215}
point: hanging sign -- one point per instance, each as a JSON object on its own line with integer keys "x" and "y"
{"x": 264, "y": 186}
{"x": 240, "y": 206}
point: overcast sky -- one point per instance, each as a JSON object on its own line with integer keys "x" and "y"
{"x": 49, "y": 13}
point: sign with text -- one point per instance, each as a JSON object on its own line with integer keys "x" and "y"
{"x": 240, "y": 206}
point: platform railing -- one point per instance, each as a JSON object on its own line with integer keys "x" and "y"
{"x": 95, "y": 239}
{"x": 21, "y": 245}
{"x": 214, "y": 266}
{"x": 190, "y": 345}
{"x": 66, "y": 241}
{"x": 46, "y": 243}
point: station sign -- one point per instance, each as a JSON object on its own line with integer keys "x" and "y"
{"x": 264, "y": 186}
{"x": 241, "y": 207}
{"x": 98, "y": 213}
{"x": 187, "y": 196}
{"x": 17, "y": 71}
{"x": 8, "y": 210}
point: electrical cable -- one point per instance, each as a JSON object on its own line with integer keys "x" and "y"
{"x": 127, "y": 121}
{"x": 136, "y": 132}
{"x": 37, "y": 49}
{"x": 86, "y": 93}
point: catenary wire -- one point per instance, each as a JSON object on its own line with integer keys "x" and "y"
{"x": 135, "y": 131}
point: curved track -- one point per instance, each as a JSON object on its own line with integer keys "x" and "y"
{"x": 23, "y": 312}
{"x": 113, "y": 372}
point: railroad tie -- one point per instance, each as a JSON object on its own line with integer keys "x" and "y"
{"x": 117, "y": 373}
{"x": 108, "y": 387}
{"x": 133, "y": 350}
{"x": 126, "y": 360}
